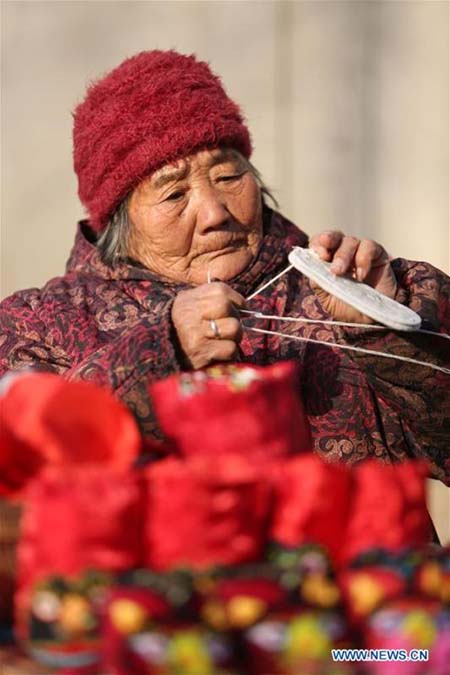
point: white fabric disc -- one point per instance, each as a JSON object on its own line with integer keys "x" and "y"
{"x": 362, "y": 297}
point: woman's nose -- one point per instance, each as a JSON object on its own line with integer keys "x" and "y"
{"x": 212, "y": 211}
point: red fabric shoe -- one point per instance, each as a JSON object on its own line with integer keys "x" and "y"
{"x": 205, "y": 511}
{"x": 45, "y": 418}
{"x": 239, "y": 409}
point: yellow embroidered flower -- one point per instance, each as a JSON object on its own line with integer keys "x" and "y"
{"x": 243, "y": 611}
{"x": 318, "y": 590}
{"x": 431, "y": 579}
{"x": 420, "y": 627}
{"x": 75, "y": 615}
{"x": 306, "y": 639}
{"x": 127, "y": 616}
{"x": 365, "y": 593}
{"x": 187, "y": 654}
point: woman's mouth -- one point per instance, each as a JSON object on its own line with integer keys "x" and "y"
{"x": 227, "y": 246}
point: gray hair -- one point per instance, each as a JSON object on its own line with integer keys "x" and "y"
{"x": 113, "y": 241}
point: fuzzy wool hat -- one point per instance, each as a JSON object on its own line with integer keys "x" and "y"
{"x": 154, "y": 108}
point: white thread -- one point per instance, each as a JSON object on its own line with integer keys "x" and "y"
{"x": 252, "y": 295}
{"x": 350, "y": 348}
{"x": 274, "y": 317}
{"x": 431, "y": 332}
{"x": 208, "y": 276}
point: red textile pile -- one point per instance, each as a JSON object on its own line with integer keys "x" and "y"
{"x": 235, "y": 507}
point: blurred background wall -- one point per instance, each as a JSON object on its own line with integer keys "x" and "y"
{"x": 347, "y": 100}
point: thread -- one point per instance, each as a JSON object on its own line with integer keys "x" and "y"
{"x": 271, "y": 281}
{"x": 362, "y": 350}
{"x": 329, "y": 322}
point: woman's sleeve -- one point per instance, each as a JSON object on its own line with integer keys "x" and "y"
{"x": 419, "y": 395}
{"x": 130, "y": 363}
{"x": 62, "y": 340}
{"x": 24, "y": 337}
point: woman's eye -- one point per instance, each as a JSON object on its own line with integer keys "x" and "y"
{"x": 229, "y": 178}
{"x": 174, "y": 196}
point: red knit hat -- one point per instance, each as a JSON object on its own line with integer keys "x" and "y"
{"x": 153, "y": 109}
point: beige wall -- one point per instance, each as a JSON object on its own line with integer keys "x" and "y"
{"x": 347, "y": 101}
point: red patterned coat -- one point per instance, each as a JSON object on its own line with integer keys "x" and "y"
{"x": 112, "y": 326}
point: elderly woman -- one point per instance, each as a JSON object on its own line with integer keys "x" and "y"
{"x": 179, "y": 235}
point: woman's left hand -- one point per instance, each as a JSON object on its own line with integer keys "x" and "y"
{"x": 363, "y": 259}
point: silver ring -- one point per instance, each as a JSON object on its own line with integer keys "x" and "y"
{"x": 214, "y": 328}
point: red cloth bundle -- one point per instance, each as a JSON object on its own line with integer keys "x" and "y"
{"x": 388, "y": 509}
{"x": 243, "y": 409}
{"x": 312, "y": 501}
{"x": 44, "y": 419}
{"x": 19, "y": 462}
{"x": 204, "y": 512}
{"x": 75, "y": 522}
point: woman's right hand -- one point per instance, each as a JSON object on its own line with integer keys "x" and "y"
{"x": 206, "y": 320}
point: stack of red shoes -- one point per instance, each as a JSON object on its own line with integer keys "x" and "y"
{"x": 239, "y": 552}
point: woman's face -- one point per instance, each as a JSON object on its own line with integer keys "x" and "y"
{"x": 201, "y": 214}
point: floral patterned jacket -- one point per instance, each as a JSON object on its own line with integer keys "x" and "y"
{"x": 112, "y": 326}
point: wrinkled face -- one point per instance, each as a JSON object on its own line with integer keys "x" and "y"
{"x": 202, "y": 213}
